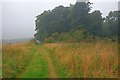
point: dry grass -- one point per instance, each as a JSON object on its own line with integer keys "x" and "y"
{"x": 14, "y": 58}
{"x": 0, "y": 46}
{"x": 76, "y": 60}
{"x": 87, "y": 60}
{"x": 0, "y": 60}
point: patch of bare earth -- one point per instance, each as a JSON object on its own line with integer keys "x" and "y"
{"x": 53, "y": 73}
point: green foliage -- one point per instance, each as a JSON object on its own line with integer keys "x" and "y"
{"x": 75, "y": 23}
{"x": 74, "y": 36}
{"x": 95, "y": 23}
{"x": 111, "y": 24}
{"x": 79, "y": 13}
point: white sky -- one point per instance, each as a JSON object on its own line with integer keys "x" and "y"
{"x": 18, "y": 16}
{"x": 0, "y": 21}
{"x": 56, "y": 0}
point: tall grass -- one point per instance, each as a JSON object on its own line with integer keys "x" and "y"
{"x": 0, "y": 60}
{"x": 15, "y": 58}
{"x": 97, "y": 59}
{"x": 38, "y": 67}
{"x": 86, "y": 60}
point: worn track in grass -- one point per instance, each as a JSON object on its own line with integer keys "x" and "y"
{"x": 41, "y": 65}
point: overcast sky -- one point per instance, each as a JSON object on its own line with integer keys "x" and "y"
{"x": 18, "y": 17}
{"x": 0, "y": 22}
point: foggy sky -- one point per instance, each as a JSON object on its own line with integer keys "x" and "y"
{"x": 0, "y": 22}
{"x": 18, "y": 18}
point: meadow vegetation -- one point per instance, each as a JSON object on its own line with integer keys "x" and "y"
{"x": 98, "y": 59}
{"x": 85, "y": 60}
{"x": 15, "y": 58}
{"x": 0, "y": 60}
{"x": 74, "y": 43}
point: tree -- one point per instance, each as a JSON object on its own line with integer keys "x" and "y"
{"x": 75, "y": 23}
{"x": 79, "y": 13}
{"x": 95, "y": 23}
{"x": 110, "y": 26}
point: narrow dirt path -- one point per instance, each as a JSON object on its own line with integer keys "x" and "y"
{"x": 53, "y": 73}
{"x": 41, "y": 66}
{"x": 38, "y": 67}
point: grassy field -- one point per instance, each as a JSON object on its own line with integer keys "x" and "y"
{"x": 0, "y": 60}
{"x": 61, "y": 60}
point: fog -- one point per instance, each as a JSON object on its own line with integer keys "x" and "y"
{"x": 18, "y": 18}
{"x": 0, "y": 22}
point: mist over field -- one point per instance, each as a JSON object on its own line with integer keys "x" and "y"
{"x": 0, "y": 22}
{"x": 59, "y": 39}
{"x": 19, "y": 17}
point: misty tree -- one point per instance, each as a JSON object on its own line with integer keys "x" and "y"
{"x": 75, "y": 23}
{"x": 110, "y": 26}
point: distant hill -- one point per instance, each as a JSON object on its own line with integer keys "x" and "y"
{"x": 15, "y": 40}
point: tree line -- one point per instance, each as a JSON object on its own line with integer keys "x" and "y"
{"x": 76, "y": 23}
